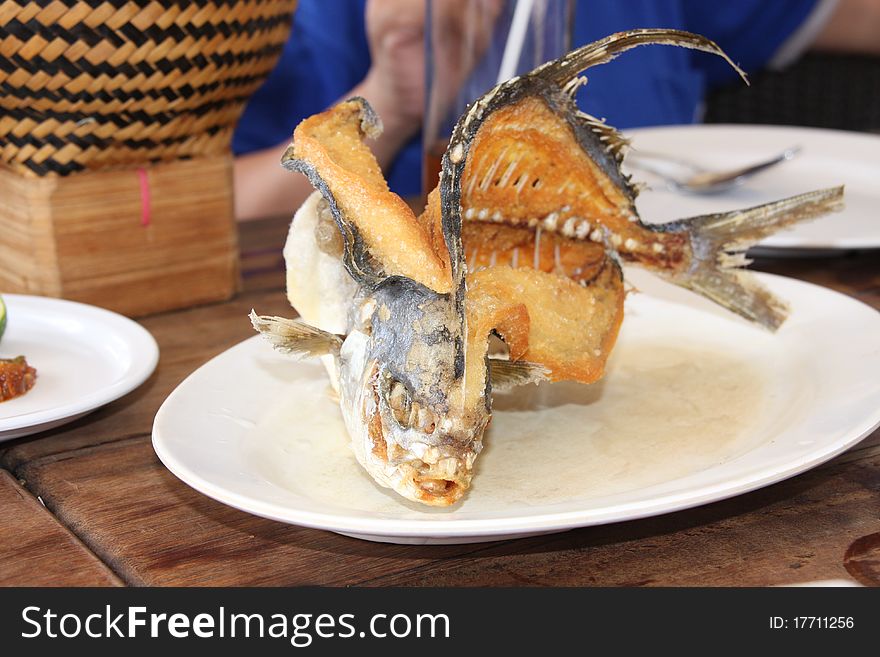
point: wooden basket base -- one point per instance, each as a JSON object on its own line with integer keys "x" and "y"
{"x": 135, "y": 241}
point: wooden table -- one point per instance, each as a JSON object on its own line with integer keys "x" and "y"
{"x": 89, "y": 503}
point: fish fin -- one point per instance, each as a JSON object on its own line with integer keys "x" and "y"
{"x": 569, "y": 66}
{"x": 719, "y": 242}
{"x": 566, "y": 71}
{"x": 508, "y": 374}
{"x": 295, "y": 338}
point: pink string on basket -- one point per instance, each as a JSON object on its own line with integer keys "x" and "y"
{"x": 145, "y": 197}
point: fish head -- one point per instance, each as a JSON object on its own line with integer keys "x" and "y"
{"x": 413, "y": 395}
{"x": 404, "y": 393}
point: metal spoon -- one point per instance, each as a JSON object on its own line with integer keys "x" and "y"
{"x": 695, "y": 179}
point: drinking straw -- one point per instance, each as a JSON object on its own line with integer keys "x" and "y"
{"x": 515, "y": 40}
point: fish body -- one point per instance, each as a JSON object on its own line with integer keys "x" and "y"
{"x": 522, "y": 239}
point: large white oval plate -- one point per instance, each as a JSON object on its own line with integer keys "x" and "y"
{"x": 827, "y": 158}
{"x": 85, "y": 357}
{"x": 697, "y": 406}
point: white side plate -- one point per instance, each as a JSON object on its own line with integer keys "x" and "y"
{"x": 85, "y": 357}
{"x": 828, "y": 158}
{"x": 697, "y": 406}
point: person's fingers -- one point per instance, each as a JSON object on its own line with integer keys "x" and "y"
{"x": 386, "y": 18}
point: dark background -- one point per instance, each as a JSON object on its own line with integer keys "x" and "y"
{"x": 819, "y": 90}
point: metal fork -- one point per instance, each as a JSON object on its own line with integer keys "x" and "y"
{"x": 695, "y": 179}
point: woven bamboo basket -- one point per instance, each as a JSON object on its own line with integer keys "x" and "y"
{"x": 116, "y": 119}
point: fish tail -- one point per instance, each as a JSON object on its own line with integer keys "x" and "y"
{"x": 295, "y": 338}
{"x": 719, "y": 242}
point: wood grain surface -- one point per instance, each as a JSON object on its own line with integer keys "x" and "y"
{"x": 102, "y": 482}
{"x": 152, "y": 529}
{"x": 36, "y": 550}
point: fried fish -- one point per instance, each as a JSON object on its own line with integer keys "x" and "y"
{"x": 522, "y": 239}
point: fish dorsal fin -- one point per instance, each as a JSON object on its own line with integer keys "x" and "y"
{"x": 380, "y": 232}
{"x": 561, "y": 71}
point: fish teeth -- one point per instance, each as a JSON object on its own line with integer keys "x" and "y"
{"x": 431, "y": 455}
{"x": 400, "y": 403}
{"x": 421, "y": 418}
{"x": 550, "y": 221}
{"x": 569, "y": 226}
{"x": 448, "y": 466}
{"x": 413, "y": 416}
{"x": 582, "y": 230}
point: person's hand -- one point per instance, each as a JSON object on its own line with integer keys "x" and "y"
{"x": 853, "y": 27}
{"x": 394, "y": 86}
{"x": 395, "y": 83}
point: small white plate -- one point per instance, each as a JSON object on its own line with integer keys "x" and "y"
{"x": 85, "y": 357}
{"x": 828, "y": 158}
{"x": 697, "y": 406}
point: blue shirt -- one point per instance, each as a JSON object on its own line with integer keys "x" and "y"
{"x": 327, "y": 54}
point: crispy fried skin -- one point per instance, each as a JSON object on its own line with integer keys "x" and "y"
{"x": 571, "y": 327}
{"x": 431, "y": 221}
{"x": 488, "y": 311}
{"x": 332, "y": 143}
